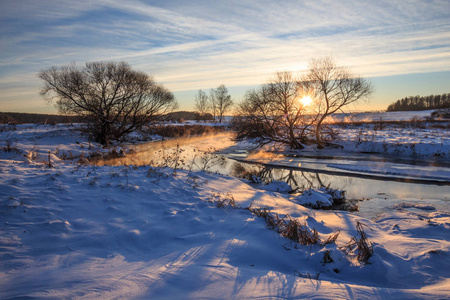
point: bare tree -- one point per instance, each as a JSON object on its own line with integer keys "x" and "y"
{"x": 221, "y": 102}
{"x": 213, "y": 104}
{"x": 114, "y": 98}
{"x": 334, "y": 88}
{"x": 202, "y": 104}
{"x": 276, "y": 113}
{"x": 273, "y": 113}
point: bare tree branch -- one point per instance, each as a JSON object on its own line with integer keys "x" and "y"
{"x": 334, "y": 88}
{"x": 114, "y": 98}
{"x": 273, "y": 113}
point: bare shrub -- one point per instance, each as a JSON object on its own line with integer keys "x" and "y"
{"x": 172, "y": 158}
{"x": 205, "y": 160}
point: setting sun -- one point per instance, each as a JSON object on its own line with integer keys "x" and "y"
{"x": 306, "y": 100}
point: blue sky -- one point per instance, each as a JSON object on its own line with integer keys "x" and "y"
{"x": 403, "y": 47}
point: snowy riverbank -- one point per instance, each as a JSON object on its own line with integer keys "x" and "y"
{"x": 84, "y": 231}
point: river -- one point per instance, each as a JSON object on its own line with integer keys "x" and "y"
{"x": 380, "y": 185}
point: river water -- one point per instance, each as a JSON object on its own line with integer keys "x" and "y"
{"x": 409, "y": 186}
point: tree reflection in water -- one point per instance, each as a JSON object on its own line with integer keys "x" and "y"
{"x": 299, "y": 181}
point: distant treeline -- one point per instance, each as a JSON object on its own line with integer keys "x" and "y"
{"x": 24, "y": 118}
{"x": 421, "y": 103}
{"x": 187, "y": 115}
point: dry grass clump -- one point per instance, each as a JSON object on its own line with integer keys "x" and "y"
{"x": 307, "y": 275}
{"x": 288, "y": 227}
{"x": 195, "y": 181}
{"x": 300, "y": 233}
{"x": 331, "y": 239}
{"x": 361, "y": 245}
{"x": 223, "y": 201}
{"x": 327, "y": 259}
{"x": 273, "y": 221}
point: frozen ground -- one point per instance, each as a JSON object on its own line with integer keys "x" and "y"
{"x": 83, "y": 231}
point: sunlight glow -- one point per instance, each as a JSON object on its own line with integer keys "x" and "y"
{"x": 306, "y": 100}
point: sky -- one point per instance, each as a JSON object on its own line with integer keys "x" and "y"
{"x": 402, "y": 47}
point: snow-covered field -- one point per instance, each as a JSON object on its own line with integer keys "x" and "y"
{"x": 73, "y": 230}
{"x": 397, "y": 142}
{"x": 376, "y": 116}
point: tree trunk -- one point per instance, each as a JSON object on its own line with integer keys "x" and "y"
{"x": 293, "y": 141}
{"x": 318, "y": 129}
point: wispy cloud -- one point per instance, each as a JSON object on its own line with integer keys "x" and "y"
{"x": 199, "y": 44}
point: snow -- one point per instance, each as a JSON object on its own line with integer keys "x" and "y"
{"x": 315, "y": 198}
{"x": 123, "y": 232}
{"x": 397, "y": 141}
{"x": 277, "y": 186}
{"x": 377, "y": 116}
{"x": 400, "y": 170}
{"x": 319, "y": 198}
{"x": 370, "y": 151}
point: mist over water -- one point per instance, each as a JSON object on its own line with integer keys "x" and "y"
{"x": 199, "y": 153}
{"x": 153, "y": 153}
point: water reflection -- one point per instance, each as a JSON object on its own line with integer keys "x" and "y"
{"x": 194, "y": 155}
{"x": 298, "y": 180}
